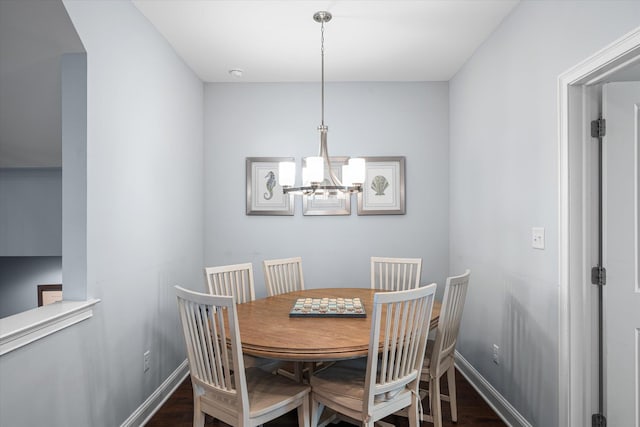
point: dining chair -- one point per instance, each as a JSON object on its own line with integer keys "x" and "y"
{"x": 388, "y": 381}
{"x": 237, "y": 397}
{"x": 440, "y": 353}
{"x": 236, "y": 280}
{"x": 283, "y": 275}
{"x": 395, "y": 274}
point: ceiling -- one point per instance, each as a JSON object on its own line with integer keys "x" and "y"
{"x": 278, "y": 41}
{"x": 272, "y": 41}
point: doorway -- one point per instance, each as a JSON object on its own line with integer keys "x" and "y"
{"x": 579, "y": 97}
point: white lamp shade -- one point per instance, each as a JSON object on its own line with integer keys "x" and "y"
{"x": 315, "y": 169}
{"x": 287, "y": 174}
{"x": 357, "y": 171}
{"x": 346, "y": 176}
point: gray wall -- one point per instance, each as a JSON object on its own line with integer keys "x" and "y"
{"x": 144, "y": 231}
{"x": 73, "y": 72}
{"x": 30, "y": 212}
{"x": 364, "y": 119}
{"x": 145, "y": 213}
{"x": 504, "y": 180}
{"x": 19, "y": 280}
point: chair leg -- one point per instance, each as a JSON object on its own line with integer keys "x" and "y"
{"x": 451, "y": 380}
{"x": 316, "y": 412}
{"x": 430, "y": 392}
{"x": 198, "y": 415}
{"x": 414, "y": 419}
{"x": 436, "y": 404}
{"x": 303, "y": 413}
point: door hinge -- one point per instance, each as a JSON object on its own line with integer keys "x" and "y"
{"x": 598, "y": 420}
{"x": 598, "y": 276}
{"x": 598, "y": 128}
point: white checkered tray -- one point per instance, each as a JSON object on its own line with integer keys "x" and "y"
{"x": 328, "y": 307}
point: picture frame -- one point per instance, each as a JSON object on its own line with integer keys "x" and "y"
{"x": 48, "y": 294}
{"x": 383, "y": 192}
{"x": 264, "y": 193}
{"x": 332, "y": 204}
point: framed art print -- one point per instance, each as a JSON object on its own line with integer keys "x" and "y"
{"x": 264, "y": 192}
{"x": 383, "y": 190}
{"x": 334, "y": 203}
{"x": 48, "y": 294}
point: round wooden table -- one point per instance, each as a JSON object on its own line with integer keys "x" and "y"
{"x": 266, "y": 330}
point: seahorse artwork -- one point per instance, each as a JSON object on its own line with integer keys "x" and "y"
{"x": 271, "y": 183}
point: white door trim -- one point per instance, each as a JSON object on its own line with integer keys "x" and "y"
{"x": 574, "y": 308}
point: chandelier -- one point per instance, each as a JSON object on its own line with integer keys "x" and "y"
{"x": 313, "y": 176}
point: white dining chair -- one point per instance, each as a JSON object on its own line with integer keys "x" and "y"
{"x": 395, "y": 274}
{"x": 237, "y": 397}
{"x": 283, "y": 275}
{"x": 237, "y": 280}
{"x": 440, "y": 355}
{"x": 367, "y": 392}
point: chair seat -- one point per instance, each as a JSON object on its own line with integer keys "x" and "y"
{"x": 345, "y": 382}
{"x": 268, "y": 391}
{"x": 427, "y": 356}
{"x": 445, "y": 363}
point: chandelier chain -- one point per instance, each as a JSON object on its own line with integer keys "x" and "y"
{"x": 322, "y": 63}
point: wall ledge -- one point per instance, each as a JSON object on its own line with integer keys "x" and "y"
{"x": 29, "y": 326}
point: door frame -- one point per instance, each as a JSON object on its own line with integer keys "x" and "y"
{"x": 576, "y": 100}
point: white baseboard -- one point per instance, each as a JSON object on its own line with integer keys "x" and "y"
{"x": 150, "y": 406}
{"x": 498, "y": 403}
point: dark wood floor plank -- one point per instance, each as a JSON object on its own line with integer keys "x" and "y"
{"x": 472, "y": 411}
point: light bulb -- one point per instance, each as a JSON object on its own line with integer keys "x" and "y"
{"x": 287, "y": 173}
{"x": 315, "y": 169}
{"x": 357, "y": 171}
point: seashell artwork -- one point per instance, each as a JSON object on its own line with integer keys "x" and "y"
{"x": 379, "y": 184}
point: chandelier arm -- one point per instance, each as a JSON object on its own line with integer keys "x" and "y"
{"x": 318, "y": 189}
{"x": 324, "y": 153}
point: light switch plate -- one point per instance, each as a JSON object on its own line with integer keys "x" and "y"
{"x": 537, "y": 237}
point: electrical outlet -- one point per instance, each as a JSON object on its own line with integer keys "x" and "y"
{"x": 147, "y": 360}
{"x": 537, "y": 237}
{"x": 496, "y": 354}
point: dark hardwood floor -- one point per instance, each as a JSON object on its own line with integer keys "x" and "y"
{"x": 472, "y": 411}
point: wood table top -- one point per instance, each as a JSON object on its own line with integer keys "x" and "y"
{"x": 266, "y": 330}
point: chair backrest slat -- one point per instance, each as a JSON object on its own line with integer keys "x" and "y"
{"x": 283, "y": 275}
{"x": 399, "y": 328}
{"x": 395, "y": 274}
{"x": 232, "y": 280}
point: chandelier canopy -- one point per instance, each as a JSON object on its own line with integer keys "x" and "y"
{"x": 313, "y": 172}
